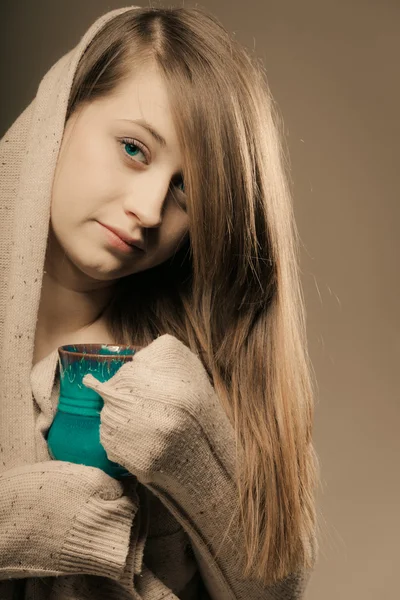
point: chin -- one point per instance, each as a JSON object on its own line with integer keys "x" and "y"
{"x": 109, "y": 270}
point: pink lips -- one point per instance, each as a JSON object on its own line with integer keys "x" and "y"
{"x": 117, "y": 242}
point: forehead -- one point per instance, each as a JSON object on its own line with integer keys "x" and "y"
{"x": 142, "y": 85}
{"x": 142, "y": 95}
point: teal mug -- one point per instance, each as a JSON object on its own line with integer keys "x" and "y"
{"x": 74, "y": 435}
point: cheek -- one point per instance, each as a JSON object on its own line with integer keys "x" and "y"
{"x": 82, "y": 179}
{"x": 175, "y": 228}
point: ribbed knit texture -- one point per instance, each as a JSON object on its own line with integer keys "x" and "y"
{"x": 71, "y": 532}
{"x": 58, "y": 518}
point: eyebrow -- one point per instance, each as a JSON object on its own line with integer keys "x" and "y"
{"x": 158, "y": 137}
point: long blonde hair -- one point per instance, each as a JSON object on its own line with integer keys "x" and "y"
{"x": 232, "y": 292}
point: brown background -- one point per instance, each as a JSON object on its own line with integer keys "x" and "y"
{"x": 333, "y": 67}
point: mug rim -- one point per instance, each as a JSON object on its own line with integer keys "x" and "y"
{"x": 63, "y": 350}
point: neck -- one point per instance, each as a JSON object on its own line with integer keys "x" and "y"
{"x": 70, "y": 301}
{"x": 63, "y": 310}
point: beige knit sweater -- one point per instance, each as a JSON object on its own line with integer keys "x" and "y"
{"x": 71, "y": 532}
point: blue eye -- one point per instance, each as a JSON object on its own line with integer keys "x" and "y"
{"x": 182, "y": 189}
{"x": 134, "y": 146}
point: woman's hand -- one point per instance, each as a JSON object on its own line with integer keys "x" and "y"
{"x": 154, "y": 407}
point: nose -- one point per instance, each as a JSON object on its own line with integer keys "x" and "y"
{"x": 147, "y": 201}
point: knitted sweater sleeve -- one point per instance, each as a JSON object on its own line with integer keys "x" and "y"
{"x": 163, "y": 422}
{"x": 59, "y": 518}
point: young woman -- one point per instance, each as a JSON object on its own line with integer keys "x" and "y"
{"x": 145, "y": 201}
